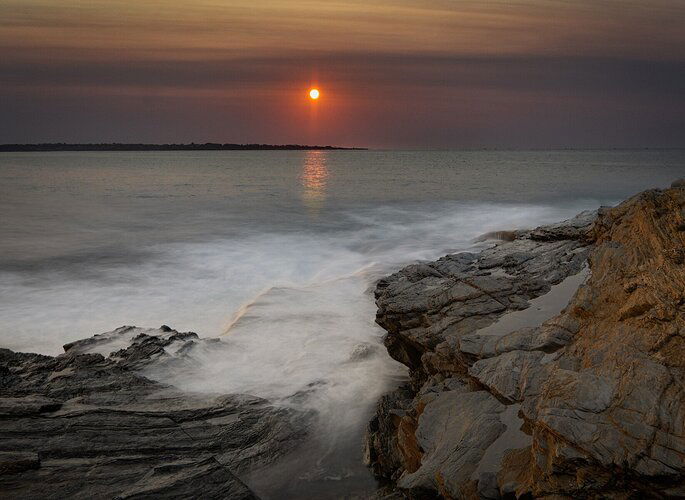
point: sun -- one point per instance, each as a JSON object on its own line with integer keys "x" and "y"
{"x": 314, "y": 94}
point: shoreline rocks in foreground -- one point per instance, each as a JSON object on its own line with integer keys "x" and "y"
{"x": 506, "y": 399}
{"x": 587, "y": 403}
{"x": 85, "y": 425}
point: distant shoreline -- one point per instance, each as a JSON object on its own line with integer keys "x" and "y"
{"x": 209, "y": 146}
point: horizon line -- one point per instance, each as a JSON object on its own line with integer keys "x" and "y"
{"x": 217, "y": 146}
{"x": 140, "y": 146}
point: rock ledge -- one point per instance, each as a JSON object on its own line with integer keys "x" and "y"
{"x": 86, "y": 425}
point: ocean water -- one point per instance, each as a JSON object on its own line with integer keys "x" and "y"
{"x": 274, "y": 252}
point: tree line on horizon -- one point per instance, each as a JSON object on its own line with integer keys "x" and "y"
{"x": 207, "y": 146}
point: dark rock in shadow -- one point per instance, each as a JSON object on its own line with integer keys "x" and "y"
{"x": 82, "y": 425}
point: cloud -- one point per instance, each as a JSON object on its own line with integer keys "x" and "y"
{"x": 428, "y": 72}
{"x": 353, "y": 73}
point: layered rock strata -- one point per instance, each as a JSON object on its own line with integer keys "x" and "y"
{"x": 588, "y": 402}
{"x": 86, "y": 425}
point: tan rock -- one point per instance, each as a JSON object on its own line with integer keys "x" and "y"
{"x": 601, "y": 385}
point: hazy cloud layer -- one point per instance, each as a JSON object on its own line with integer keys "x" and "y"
{"x": 533, "y": 73}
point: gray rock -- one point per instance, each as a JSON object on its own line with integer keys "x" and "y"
{"x": 92, "y": 427}
{"x": 423, "y": 306}
{"x": 454, "y": 431}
{"x": 381, "y": 447}
{"x": 15, "y": 462}
{"x": 599, "y": 386}
{"x": 488, "y": 488}
{"x": 509, "y": 375}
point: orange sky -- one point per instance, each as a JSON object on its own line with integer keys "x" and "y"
{"x": 425, "y": 73}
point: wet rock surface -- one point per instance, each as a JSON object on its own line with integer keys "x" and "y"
{"x": 86, "y": 425}
{"x": 589, "y": 402}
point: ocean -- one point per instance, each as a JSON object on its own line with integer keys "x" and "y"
{"x": 275, "y": 253}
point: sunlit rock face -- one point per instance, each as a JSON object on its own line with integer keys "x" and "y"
{"x": 596, "y": 389}
{"x": 91, "y": 426}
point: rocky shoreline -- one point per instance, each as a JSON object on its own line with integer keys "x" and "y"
{"x": 86, "y": 425}
{"x": 508, "y": 397}
{"x": 588, "y": 402}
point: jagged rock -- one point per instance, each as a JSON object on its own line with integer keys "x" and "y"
{"x": 382, "y": 444}
{"x": 425, "y": 305}
{"x": 597, "y": 388}
{"x": 91, "y": 426}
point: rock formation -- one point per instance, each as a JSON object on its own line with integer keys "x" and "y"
{"x": 84, "y": 425}
{"x": 508, "y": 397}
{"x": 588, "y": 402}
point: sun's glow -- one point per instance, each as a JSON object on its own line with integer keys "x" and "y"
{"x": 314, "y": 94}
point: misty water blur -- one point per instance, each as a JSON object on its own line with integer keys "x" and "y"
{"x": 275, "y": 253}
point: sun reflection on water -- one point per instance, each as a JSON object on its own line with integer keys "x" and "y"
{"x": 314, "y": 179}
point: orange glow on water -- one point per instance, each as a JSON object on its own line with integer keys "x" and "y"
{"x": 314, "y": 179}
